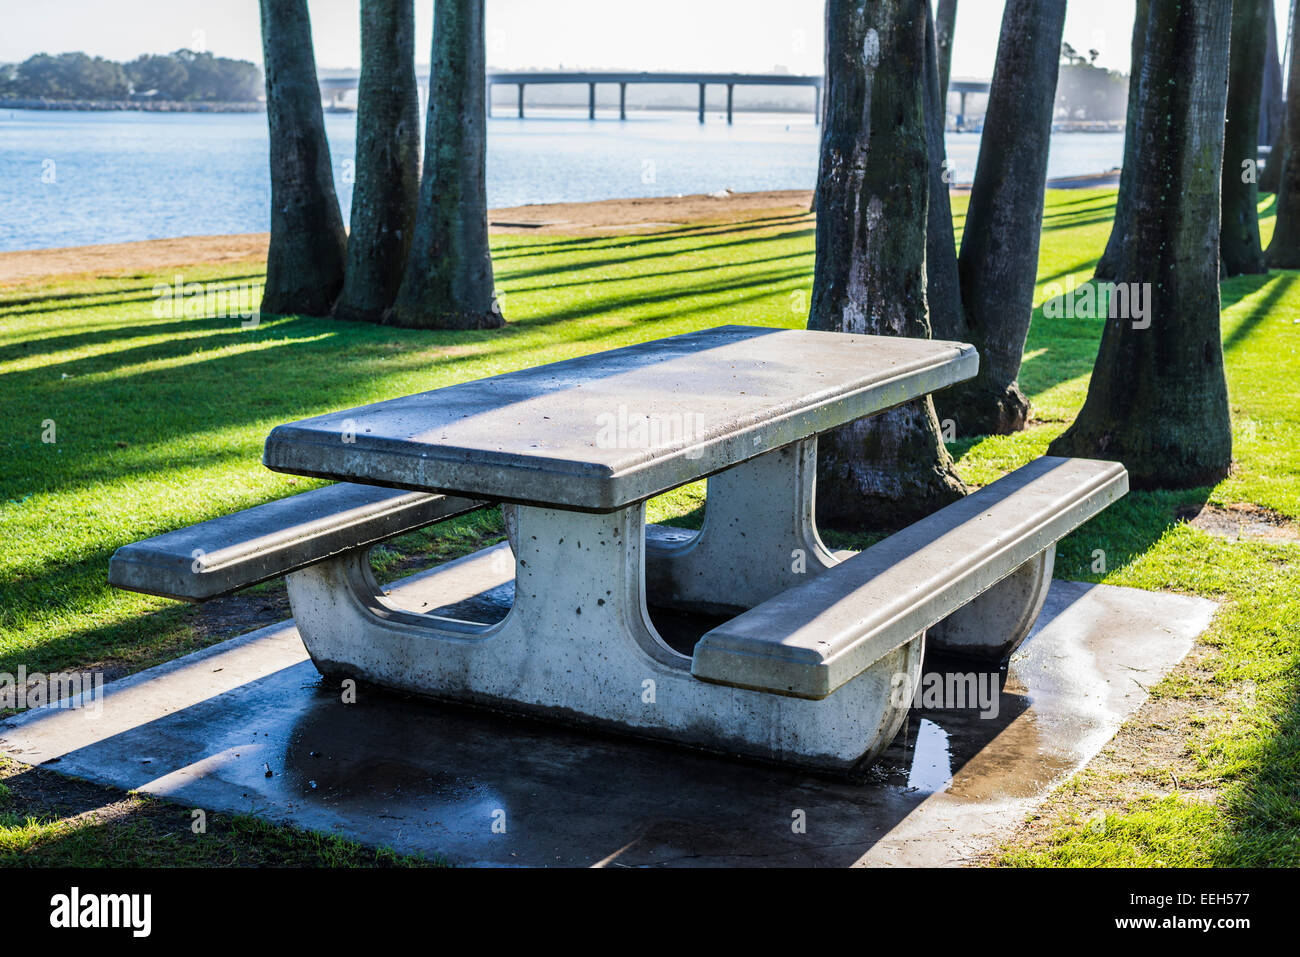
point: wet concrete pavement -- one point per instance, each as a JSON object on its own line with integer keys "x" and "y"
{"x": 489, "y": 789}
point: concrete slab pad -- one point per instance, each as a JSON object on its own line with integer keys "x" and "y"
{"x": 488, "y": 789}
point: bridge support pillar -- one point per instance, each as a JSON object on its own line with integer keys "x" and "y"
{"x": 817, "y": 105}
{"x": 701, "y": 102}
{"x": 622, "y": 101}
{"x": 591, "y": 101}
{"x": 521, "y": 101}
{"x": 730, "y": 89}
{"x": 961, "y": 111}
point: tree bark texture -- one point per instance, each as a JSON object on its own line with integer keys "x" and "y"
{"x": 387, "y": 164}
{"x": 1157, "y": 400}
{"x": 945, "y": 30}
{"x": 1284, "y": 248}
{"x": 943, "y": 283}
{"x": 1271, "y": 103}
{"x": 1239, "y": 241}
{"x": 1123, "y": 204}
{"x": 448, "y": 281}
{"x": 304, "y": 267}
{"x": 887, "y": 470}
{"x": 998, "y": 264}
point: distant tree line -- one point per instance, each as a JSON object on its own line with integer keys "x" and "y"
{"x": 1085, "y": 91}
{"x": 182, "y": 76}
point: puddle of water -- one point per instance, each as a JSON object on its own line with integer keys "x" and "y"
{"x": 931, "y": 768}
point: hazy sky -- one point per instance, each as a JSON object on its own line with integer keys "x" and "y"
{"x": 715, "y": 35}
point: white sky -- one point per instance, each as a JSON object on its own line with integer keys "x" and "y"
{"x": 714, "y": 35}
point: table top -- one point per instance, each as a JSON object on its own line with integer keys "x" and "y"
{"x": 613, "y": 428}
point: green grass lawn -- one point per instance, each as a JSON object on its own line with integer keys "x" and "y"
{"x": 160, "y": 423}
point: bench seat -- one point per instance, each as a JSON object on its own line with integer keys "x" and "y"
{"x": 811, "y": 639}
{"x": 226, "y": 554}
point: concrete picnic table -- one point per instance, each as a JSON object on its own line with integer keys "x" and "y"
{"x": 578, "y": 447}
{"x": 810, "y": 658}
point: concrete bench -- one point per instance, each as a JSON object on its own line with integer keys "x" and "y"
{"x": 975, "y": 574}
{"x": 226, "y": 554}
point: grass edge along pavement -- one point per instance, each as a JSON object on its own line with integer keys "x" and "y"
{"x": 159, "y": 423}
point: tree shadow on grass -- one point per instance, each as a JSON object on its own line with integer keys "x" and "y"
{"x": 1077, "y": 220}
{"x": 1060, "y": 349}
{"x": 770, "y": 281}
{"x": 26, "y": 348}
{"x": 1083, "y": 265}
{"x": 660, "y": 274}
{"x": 67, "y": 302}
{"x": 1239, "y": 287}
{"x": 1056, "y": 215}
{"x": 704, "y": 230}
{"x": 605, "y": 262}
{"x": 1106, "y": 199}
{"x": 143, "y": 639}
{"x": 1124, "y": 532}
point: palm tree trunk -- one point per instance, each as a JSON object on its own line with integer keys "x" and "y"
{"x": 1270, "y": 97}
{"x": 448, "y": 280}
{"x": 1123, "y": 203}
{"x": 1284, "y": 249}
{"x": 304, "y": 267}
{"x": 942, "y": 280}
{"x": 1239, "y": 241}
{"x": 945, "y": 28}
{"x": 999, "y": 249}
{"x": 1270, "y": 177}
{"x": 869, "y": 276}
{"x": 388, "y": 161}
{"x": 1272, "y": 109}
{"x": 1157, "y": 400}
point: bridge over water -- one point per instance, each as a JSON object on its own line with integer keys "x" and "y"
{"x": 702, "y": 80}
{"x": 334, "y": 87}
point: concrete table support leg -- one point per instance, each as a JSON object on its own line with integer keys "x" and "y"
{"x": 758, "y": 538}
{"x": 994, "y": 624}
{"x": 577, "y": 645}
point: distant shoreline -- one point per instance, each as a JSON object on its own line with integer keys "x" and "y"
{"x": 498, "y": 110}
{"x": 135, "y": 106}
